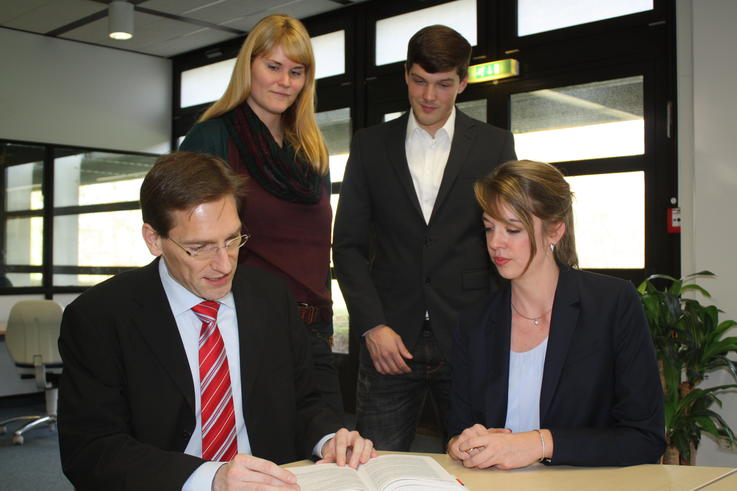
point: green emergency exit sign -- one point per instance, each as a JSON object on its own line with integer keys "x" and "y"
{"x": 493, "y": 70}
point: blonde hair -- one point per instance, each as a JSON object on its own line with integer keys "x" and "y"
{"x": 300, "y": 126}
{"x": 530, "y": 189}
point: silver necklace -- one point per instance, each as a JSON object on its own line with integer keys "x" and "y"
{"x": 535, "y": 320}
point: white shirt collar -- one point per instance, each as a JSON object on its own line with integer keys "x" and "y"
{"x": 180, "y": 299}
{"x": 448, "y": 127}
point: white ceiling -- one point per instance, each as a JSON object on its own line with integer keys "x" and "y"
{"x": 195, "y": 23}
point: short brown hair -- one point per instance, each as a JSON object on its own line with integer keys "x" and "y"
{"x": 439, "y": 48}
{"x": 530, "y": 189}
{"x": 183, "y": 180}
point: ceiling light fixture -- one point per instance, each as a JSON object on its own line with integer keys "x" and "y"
{"x": 120, "y": 20}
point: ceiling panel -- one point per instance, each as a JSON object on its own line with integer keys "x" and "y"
{"x": 154, "y": 34}
{"x": 47, "y": 15}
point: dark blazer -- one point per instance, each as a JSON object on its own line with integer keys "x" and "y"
{"x": 601, "y": 396}
{"x": 391, "y": 265}
{"x": 126, "y": 400}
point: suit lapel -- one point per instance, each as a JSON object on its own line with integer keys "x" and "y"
{"x": 463, "y": 134}
{"x": 498, "y": 324}
{"x": 157, "y": 326}
{"x": 566, "y": 307}
{"x": 250, "y": 337}
{"x": 397, "y": 155}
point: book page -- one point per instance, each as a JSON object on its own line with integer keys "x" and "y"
{"x": 329, "y": 477}
{"x": 386, "y": 469}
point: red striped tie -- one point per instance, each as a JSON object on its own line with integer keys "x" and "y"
{"x": 218, "y": 416}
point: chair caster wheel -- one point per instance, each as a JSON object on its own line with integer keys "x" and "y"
{"x": 18, "y": 440}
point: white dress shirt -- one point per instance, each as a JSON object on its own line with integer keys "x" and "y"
{"x": 181, "y": 302}
{"x": 525, "y": 383}
{"x": 426, "y": 157}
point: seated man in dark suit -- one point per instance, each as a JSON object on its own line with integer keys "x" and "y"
{"x": 191, "y": 372}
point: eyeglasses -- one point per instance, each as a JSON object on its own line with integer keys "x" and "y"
{"x": 209, "y": 251}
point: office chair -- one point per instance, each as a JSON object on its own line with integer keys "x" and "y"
{"x": 32, "y": 336}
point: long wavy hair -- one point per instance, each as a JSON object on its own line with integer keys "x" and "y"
{"x": 530, "y": 189}
{"x": 300, "y": 126}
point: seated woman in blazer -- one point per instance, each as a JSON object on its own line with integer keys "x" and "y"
{"x": 558, "y": 365}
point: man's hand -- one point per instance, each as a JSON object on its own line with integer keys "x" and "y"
{"x": 347, "y": 447}
{"x": 387, "y": 350}
{"x": 247, "y": 472}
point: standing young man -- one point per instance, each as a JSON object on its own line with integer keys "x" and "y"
{"x": 408, "y": 245}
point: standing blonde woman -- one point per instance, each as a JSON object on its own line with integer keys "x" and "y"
{"x": 558, "y": 365}
{"x": 264, "y": 127}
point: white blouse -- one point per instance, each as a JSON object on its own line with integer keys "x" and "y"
{"x": 525, "y": 381}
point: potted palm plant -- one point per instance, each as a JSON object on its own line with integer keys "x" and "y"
{"x": 690, "y": 343}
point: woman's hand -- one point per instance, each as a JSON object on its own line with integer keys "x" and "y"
{"x": 477, "y": 430}
{"x": 499, "y": 447}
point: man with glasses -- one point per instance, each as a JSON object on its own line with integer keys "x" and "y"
{"x": 191, "y": 372}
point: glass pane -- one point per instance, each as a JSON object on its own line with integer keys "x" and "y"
{"x": 340, "y": 320}
{"x": 206, "y": 83}
{"x": 24, "y": 241}
{"x": 476, "y": 109}
{"x": 329, "y": 52}
{"x": 535, "y": 16}
{"x": 24, "y": 279}
{"x": 97, "y": 177}
{"x": 334, "y": 205}
{"x": 23, "y": 187}
{"x": 23, "y": 175}
{"x": 79, "y": 279}
{"x": 587, "y": 121}
{"x": 393, "y": 33}
{"x": 609, "y": 219}
{"x": 100, "y": 239}
{"x": 336, "y": 128}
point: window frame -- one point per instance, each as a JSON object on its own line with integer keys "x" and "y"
{"x": 48, "y": 212}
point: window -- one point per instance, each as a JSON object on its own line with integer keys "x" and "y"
{"x": 88, "y": 234}
{"x": 206, "y": 83}
{"x": 21, "y": 229}
{"x": 476, "y": 108}
{"x": 329, "y": 52}
{"x": 609, "y": 220}
{"x": 393, "y": 33}
{"x": 93, "y": 220}
{"x": 335, "y": 126}
{"x": 535, "y": 16}
{"x": 585, "y": 121}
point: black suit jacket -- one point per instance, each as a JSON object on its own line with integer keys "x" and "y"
{"x": 126, "y": 400}
{"x": 600, "y": 397}
{"x": 391, "y": 265}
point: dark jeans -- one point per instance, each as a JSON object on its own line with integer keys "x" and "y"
{"x": 325, "y": 375}
{"x": 388, "y": 406}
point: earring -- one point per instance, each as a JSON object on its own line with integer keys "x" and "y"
{"x": 552, "y": 247}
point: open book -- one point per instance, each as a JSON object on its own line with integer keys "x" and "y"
{"x": 383, "y": 473}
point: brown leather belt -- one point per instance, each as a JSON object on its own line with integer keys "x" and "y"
{"x": 309, "y": 313}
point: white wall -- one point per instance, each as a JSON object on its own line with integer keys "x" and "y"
{"x": 707, "y": 78}
{"x": 58, "y": 91}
